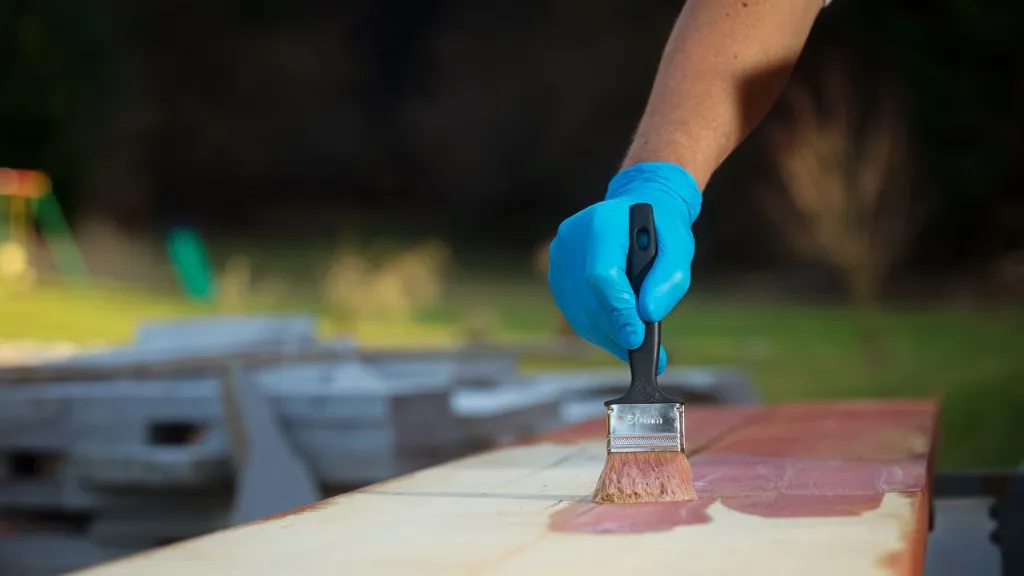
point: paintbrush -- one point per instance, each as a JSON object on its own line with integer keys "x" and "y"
{"x": 646, "y": 442}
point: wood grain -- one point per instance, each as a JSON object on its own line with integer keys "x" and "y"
{"x": 830, "y": 488}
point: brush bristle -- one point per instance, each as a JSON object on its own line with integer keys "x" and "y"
{"x": 630, "y": 477}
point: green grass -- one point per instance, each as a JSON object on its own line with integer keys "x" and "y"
{"x": 84, "y": 314}
{"x": 973, "y": 358}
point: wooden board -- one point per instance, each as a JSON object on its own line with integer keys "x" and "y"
{"x": 831, "y": 488}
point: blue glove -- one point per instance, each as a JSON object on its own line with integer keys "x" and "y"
{"x": 587, "y": 271}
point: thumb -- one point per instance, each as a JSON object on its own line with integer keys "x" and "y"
{"x": 669, "y": 278}
{"x": 618, "y": 305}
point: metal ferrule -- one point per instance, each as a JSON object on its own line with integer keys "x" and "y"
{"x": 645, "y": 428}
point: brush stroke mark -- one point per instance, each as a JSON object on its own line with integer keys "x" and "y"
{"x": 871, "y": 431}
{"x": 737, "y": 475}
{"x": 663, "y": 516}
{"x": 628, "y": 518}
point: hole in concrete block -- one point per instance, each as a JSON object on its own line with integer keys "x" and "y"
{"x": 31, "y": 465}
{"x": 175, "y": 433}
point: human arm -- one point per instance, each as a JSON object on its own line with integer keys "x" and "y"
{"x": 723, "y": 68}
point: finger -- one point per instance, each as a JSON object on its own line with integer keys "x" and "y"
{"x": 669, "y": 278}
{"x": 662, "y": 361}
{"x": 617, "y": 315}
{"x": 606, "y": 275}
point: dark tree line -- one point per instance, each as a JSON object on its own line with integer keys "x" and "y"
{"x": 482, "y": 122}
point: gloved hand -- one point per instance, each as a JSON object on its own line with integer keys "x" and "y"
{"x": 587, "y": 271}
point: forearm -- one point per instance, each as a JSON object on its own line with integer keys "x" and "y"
{"x": 723, "y": 68}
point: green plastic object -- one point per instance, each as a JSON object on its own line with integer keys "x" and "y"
{"x": 190, "y": 260}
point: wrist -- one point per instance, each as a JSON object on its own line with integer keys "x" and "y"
{"x": 658, "y": 177}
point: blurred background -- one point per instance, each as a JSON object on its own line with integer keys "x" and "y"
{"x": 398, "y": 168}
{"x": 394, "y": 171}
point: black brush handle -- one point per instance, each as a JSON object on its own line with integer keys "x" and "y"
{"x": 643, "y": 362}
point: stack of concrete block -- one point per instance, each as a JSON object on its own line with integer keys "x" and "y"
{"x": 148, "y": 458}
{"x": 354, "y": 426}
{"x": 210, "y": 338}
{"x": 70, "y": 445}
{"x": 51, "y": 553}
{"x": 147, "y": 455}
{"x": 506, "y": 412}
{"x": 462, "y": 368}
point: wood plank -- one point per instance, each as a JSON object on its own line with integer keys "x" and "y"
{"x": 833, "y": 488}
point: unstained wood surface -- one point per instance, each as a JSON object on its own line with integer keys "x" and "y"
{"x": 820, "y": 488}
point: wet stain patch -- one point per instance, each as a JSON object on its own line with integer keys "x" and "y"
{"x": 663, "y": 516}
{"x": 628, "y": 518}
{"x": 767, "y": 487}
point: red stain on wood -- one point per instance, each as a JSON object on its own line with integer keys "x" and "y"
{"x": 910, "y": 558}
{"x": 844, "y": 431}
{"x": 791, "y": 461}
{"x": 662, "y": 516}
{"x": 765, "y": 487}
{"x": 781, "y": 505}
{"x": 628, "y": 518}
{"x": 737, "y": 475}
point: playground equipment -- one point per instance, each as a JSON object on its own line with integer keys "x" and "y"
{"x": 27, "y": 205}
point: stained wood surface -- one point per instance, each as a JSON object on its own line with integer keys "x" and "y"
{"x": 829, "y": 488}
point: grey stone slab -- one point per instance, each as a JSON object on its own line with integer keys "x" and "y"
{"x": 228, "y": 332}
{"x": 51, "y": 554}
{"x": 348, "y": 420}
{"x": 37, "y": 495}
{"x": 146, "y": 530}
{"x": 582, "y": 392}
{"x": 34, "y": 420}
{"x": 959, "y": 544}
{"x": 270, "y": 476}
{"x": 448, "y": 368}
{"x": 507, "y": 412}
{"x": 428, "y": 368}
{"x": 106, "y": 467}
{"x": 482, "y": 402}
{"x": 210, "y": 338}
